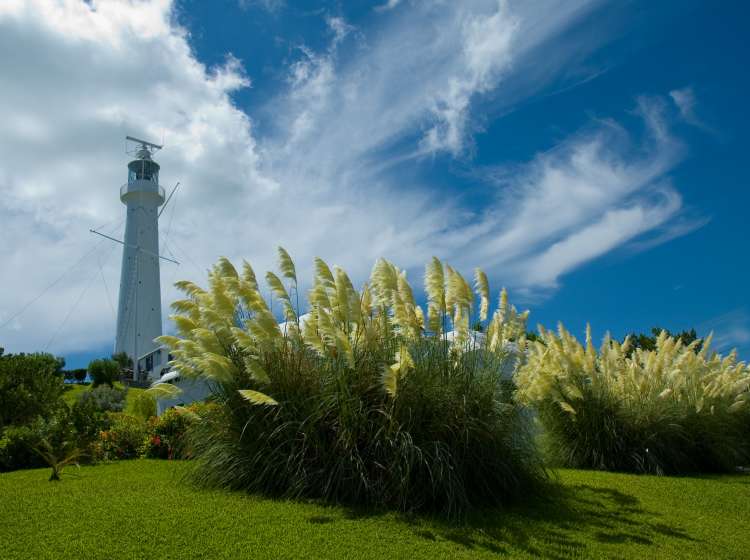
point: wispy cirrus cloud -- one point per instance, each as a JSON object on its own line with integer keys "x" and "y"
{"x": 338, "y": 173}
{"x": 388, "y": 5}
{"x": 687, "y": 103}
{"x": 685, "y": 100}
{"x": 270, "y": 5}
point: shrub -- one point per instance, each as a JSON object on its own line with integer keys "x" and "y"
{"x": 359, "y": 402}
{"x": 124, "y": 438}
{"x": 143, "y": 404}
{"x": 668, "y": 410}
{"x": 168, "y": 434}
{"x": 17, "y": 449}
{"x": 64, "y": 436}
{"x": 77, "y": 375}
{"x": 123, "y": 360}
{"x": 33, "y": 445}
{"x": 59, "y": 445}
{"x": 31, "y": 385}
{"x": 105, "y": 398}
{"x": 90, "y": 412}
{"x": 104, "y": 372}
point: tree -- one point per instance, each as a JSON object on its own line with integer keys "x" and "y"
{"x": 531, "y": 336}
{"x": 79, "y": 374}
{"x": 31, "y": 385}
{"x": 647, "y": 342}
{"x": 104, "y": 372}
{"x": 123, "y": 360}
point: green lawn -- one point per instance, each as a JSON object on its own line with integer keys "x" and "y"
{"x": 140, "y": 509}
{"x": 72, "y": 391}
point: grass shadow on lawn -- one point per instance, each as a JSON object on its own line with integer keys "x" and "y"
{"x": 565, "y": 523}
{"x": 568, "y": 521}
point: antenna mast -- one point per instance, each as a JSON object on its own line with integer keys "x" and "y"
{"x": 144, "y": 144}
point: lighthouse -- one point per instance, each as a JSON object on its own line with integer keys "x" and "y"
{"x": 139, "y": 305}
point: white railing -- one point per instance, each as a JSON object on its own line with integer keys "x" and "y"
{"x": 142, "y": 186}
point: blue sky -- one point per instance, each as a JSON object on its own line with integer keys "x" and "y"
{"x": 589, "y": 155}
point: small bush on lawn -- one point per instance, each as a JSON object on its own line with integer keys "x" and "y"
{"x": 361, "y": 401}
{"x": 104, "y": 398}
{"x": 124, "y": 438}
{"x": 668, "y": 410}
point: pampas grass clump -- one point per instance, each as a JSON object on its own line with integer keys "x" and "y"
{"x": 668, "y": 411}
{"x": 364, "y": 400}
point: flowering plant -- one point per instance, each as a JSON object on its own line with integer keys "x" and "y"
{"x": 674, "y": 409}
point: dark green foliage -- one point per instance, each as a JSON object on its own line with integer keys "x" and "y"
{"x": 23, "y": 447}
{"x": 531, "y": 336}
{"x": 453, "y": 439}
{"x": 104, "y": 372}
{"x": 31, "y": 385}
{"x": 16, "y": 448}
{"x": 77, "y": 375}
{"x": 600, "y": 437}
{"x": 123, "y": 360}
{"x": 609, "y": 434}
{"x": 648, "y": 342}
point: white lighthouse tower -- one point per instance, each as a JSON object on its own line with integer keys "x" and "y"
{"x": 139, "y": 307}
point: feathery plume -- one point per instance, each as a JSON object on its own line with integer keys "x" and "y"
{"x": 483, "y": 290}
{"x": 323, "y": 273}
{"x": 248, "y": 276}
{"x": 257, "y": 398}
{"x": 286, "y": 265}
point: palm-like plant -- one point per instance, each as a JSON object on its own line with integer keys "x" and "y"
{"x": 58, "y": 457}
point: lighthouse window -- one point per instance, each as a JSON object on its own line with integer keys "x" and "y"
{"x": 143, "y": 170}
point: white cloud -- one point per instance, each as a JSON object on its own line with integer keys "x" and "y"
{"x": 340, "y": 29}
{"x": 270, "y": 5}
{"x": 338, "y": 173}
{"x": 80, "y": 79}
{"x": 686, "y": 103}
{"x": 389, "y": 5}
{"x": 685, "y": 100}
{"x": 587, "y": 196}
